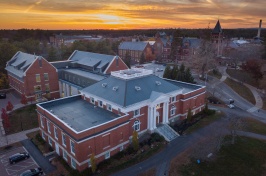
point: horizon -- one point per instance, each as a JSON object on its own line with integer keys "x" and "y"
{"x": 128, "y": 15}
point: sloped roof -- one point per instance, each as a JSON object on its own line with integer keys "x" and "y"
{"x": 137, "y": 46}
{"x": 20, "y": 62}
{"x": 193, "y": 42}
{"x": 126, "y": 94}
{"x": 217, "y": 29}
{"x": 90, "y": 59}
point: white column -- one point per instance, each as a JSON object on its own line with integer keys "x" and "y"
{"x": 166, "y": 112}
{"x": 154, "y": 117}
{"x": 60, "y": 89}
{"x": 149, "y": 118}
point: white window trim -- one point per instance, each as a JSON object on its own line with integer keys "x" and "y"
{"x": 71, "y": 147}
{"x": 42, "y": 121}
{"x": 47, "y": 76}
{"x": 72, "y": 162}
{"x": 36, "y": 77}
{"x": 107, "y": 107}
{"x": 173, "y": 100}
{"x": 173, "y": 109}
{"x": 138, "y": 110}
{"x": 49, "y": 127}
{"x": 92, "y": 100}
{"x": 50, "y": 140}
{"x": 43, "y": 135}
{"x": 136, "y": 123}
{"x": 89, "y": 162}
{"x": 55, "y": 133}
{"x": 99, "y": 103}
{"x": 121, "y": 148}
{"x": 65, "y": 155}
{"x": 64, "y": 144}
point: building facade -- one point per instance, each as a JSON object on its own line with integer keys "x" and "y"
{"x": 101, "y": 120}
{"x": 33, "y": 76}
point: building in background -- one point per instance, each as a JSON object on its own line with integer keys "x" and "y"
{"x": 217, "y": 38}
{"x": 33, "y": 76}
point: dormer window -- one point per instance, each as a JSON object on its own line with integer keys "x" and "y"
{"x": 104, "y": 84}
{"x": 92, "y": 100}
{"x": 115, "y": 88}
{"x": 137, "y": 88}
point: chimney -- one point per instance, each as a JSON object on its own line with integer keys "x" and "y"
{"x": 259, "y": 29}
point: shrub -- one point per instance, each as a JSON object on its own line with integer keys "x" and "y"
{"x": 129, "y": 150}
{"x": 40, "y": 139}
{"x": 155, "y": 137}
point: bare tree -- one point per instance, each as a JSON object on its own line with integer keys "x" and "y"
{"x": 235, "y": 124}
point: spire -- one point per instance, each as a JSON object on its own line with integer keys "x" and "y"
{"x": 217, "y": 29}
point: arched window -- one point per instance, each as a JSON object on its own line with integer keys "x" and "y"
{"x": 136, "y": 125}
{"x": 172, "y": 110}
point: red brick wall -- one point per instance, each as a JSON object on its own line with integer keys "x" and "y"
{"x": 116, "y": 65}
{"x": 30, "y": 78}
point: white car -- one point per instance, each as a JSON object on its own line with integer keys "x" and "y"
{"x": 231, "y": 106}
{"x": 159, "y": 69}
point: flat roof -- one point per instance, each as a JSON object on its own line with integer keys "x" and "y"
{"x": 77, "y": 113}
{"x": 187, "y": 87}
{"x": 85, "y": 74}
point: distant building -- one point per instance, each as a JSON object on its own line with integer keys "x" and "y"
{"x": 83, "y": 69}
{"x": 189, "y": 46}
{"x": 217, "y": 38}
{"x": 102, "y": 119}
{"x": 33, "y": 76}
{"x": 135, "y": 50}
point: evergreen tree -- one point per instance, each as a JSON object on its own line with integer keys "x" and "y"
{"x": 52, "y": 54}
{"x": 188, "y": 76}
{"x": 142, "y": 59}
{"x": 93, "y": 163}
{"x": 176, "y": 43}
{"x": 181, "y": 73}
{"x": 127, "y": 59}
{"x": 167, "y": 72}
{"x": 174, "y": 72}
{"x": 4, "y": 84}
{"x": 135, "y": 141}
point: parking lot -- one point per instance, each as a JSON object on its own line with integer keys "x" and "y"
{"x": 11, "y": 96}
{"x": 7, "y": 169}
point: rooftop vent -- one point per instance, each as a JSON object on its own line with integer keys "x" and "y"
{"x": 66, "y": 66}
{"x": 104, "y": 84}
{"x": 137, "y": 88}
{"x": 115, "y": 88}
{"x": 158, "y": 83}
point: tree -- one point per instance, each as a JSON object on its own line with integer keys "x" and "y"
{"x": 253, "y": 67}
{"x": 7, "y": 51}
{"x": 181, "y": 73}
{"x": 167, "y": 72}
{"x": 235, "y": 124}
{"x": 174, "y": 72}
{"x": 142, "y": 59}
{"x": 128, "y": 59}
{"x": 93, "y": 163}
{"x": 31, "y": 46}
{"x": 4, "y": 84}
{"x": 188, "y": 76}
{"x": 176, "y": 44}
{"x": 5, "y": 119}
{"x": 135, "y": 140}
{"x": 52, "y": 54}
{"x": 189, "y": 116}
{"x": 206, "y": 108}
{"x": 9, "y": 106}
{"x": 23, "y": 99}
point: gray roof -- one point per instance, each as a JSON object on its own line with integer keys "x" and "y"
{"x": 85, "y": 74}
{"x": 193, "y": 42}
{"x": 20, "y": 62}
{"x": 60, "y": 64}
{"x": 217, "y": 29}
{"x": 187, "y": 87}
{"x": 78, "y": 113}
{"x": 136, "y": 46}
{"x": 91, "y": 59}
{"x": 126, "y": 93}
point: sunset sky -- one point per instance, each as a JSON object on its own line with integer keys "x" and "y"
{"x": 128, "y": 14}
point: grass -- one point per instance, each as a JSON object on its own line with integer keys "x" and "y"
{"x": 254, "y": 126}
{"x": 150, "y": 172}
{"x": 23, "y": 119}
{"x": 244, "y": 158}
{"x": 242, "y": 90}
{"x": 203, "y": 122}
{"x": 242, "y": 76}
{"x": 216, "y": 74}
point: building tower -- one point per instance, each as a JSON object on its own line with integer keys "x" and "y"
{"x": 217, "y": 37}
{"x": 258, "y": 35}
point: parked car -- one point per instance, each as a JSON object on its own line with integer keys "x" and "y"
{"x": 231, "y": 106}
{"x": 32, "y": 172}
{"x": 2, "y": 95}
{"x": 18, "y": 157}
{"x": 159, "y": 69}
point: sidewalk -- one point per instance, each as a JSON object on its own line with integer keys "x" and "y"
{"x": 17, "y": 137}
{"x": 258, "y": 99}
{"x": 251, "y": 135}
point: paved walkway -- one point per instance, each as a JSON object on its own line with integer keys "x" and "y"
{"x": 17, "y": 137}
{"x": 251, "y": 135}
{"x": 258, "y": 99}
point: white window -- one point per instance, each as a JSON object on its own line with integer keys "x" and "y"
{"x": 43, "y": 135}
{"x": 172, "y": 99}
{"x": 137, "y": 112}
{"x": 50, "y": 141}
{"x": 121, "y": 148}
{"x": 73, "y": 163}
{"x": 48, "y": 127}
{"x": 107, "y": 155}
{"x": 65, "y": 155}
{"x": 46, "y": 77}
{"x": 89, "y": 162}
{"x": 100, "y": 103}
{"x": 72, "y": 146}
{"x": 55, "y": 133}
{"x": 172, "y": 111}
{"x": 92, "y": 100}
{"x": 64, "y": 139}
{"x": 109, "y": 107}
{"x": 38, "y": 78}
{"x": 136, "y": 125}
{"x": 41, "y": 121}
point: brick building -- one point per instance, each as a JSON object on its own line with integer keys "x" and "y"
{"x": 101, "y": 120}
{"x": 217, "y": 38}
{"x": 33, "y": 76}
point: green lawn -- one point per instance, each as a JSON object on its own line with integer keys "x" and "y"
{"x": 254, "y": 126}
{"x": 242, "y": 76}
{"x": 245, "y": 158}
{"x": 218, "y": 75}
{"x": 23, "y": 119}
{"x": 242, "y": 90}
